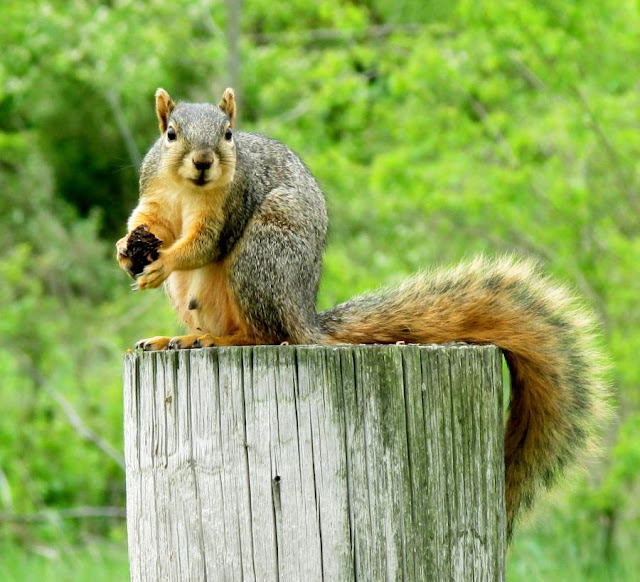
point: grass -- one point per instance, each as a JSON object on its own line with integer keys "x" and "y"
{"x": 98, "y": 561}
{"x": 556, "y": 544}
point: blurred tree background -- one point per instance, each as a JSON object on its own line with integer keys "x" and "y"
{"x": 437, "y": 129}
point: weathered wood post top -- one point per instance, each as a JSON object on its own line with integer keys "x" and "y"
{"x": 305, "y": 463}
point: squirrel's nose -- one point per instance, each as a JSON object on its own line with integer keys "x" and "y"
{"x": 202, "y": 165}
{"x": 202, "y": 160}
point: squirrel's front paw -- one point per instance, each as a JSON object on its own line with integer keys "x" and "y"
{"x": 154, "y": 274}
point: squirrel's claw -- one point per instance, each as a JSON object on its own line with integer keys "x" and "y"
{"x": 175, "y": 344}
{"x": 185, "y": 342}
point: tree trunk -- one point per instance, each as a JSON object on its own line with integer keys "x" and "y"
{"x": 305, "y": 463}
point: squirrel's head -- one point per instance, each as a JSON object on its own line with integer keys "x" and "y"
{"x": 197, "y": 140}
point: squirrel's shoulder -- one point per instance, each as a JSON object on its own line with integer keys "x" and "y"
{"x": 266, "y": 161}
{"x": 259, "y": 146}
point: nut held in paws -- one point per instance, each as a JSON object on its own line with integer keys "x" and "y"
{"x": 142, "y": 248}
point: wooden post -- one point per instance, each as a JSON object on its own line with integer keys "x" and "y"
{"x": 305, "y": 463}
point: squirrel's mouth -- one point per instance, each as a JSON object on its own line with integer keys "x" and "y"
{"x": 201, "y": 180}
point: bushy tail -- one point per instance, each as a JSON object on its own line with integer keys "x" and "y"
{"x": 558, "y": 393}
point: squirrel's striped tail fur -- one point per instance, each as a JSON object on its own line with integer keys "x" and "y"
{"x": 558, "y": 392}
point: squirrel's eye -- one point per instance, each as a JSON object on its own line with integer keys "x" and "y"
{"x": 228, "y": 134}
{"x": 171, "y": 134}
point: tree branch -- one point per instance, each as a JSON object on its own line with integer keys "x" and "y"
{"x": 335, "y": 34}
{"x": 113, "y": 100}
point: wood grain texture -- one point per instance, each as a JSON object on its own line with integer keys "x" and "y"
{"x": 308, "y": 463}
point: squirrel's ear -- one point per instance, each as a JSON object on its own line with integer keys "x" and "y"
{"x": 164, "y": 107}
{"x": 228, "y": 105}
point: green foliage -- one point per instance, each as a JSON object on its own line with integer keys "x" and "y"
{"x": 96, "y": 561}
{"x": 583, "y": 544}
{"x": 436, "y": 129}
{"x": 62, "y": 329}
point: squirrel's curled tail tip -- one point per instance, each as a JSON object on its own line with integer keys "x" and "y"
{"x": 550, "y": 340}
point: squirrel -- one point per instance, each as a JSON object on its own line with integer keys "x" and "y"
{"x": 241, "y": 225}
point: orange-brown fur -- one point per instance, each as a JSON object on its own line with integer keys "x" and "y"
{"x": 216, "y": 311}
{"x": 176, "y": 220}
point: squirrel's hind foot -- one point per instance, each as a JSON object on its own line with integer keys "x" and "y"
{"x": 187, "y": 342}
{"x": 155, "y": 343}
{"x": 160, "y": 342}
